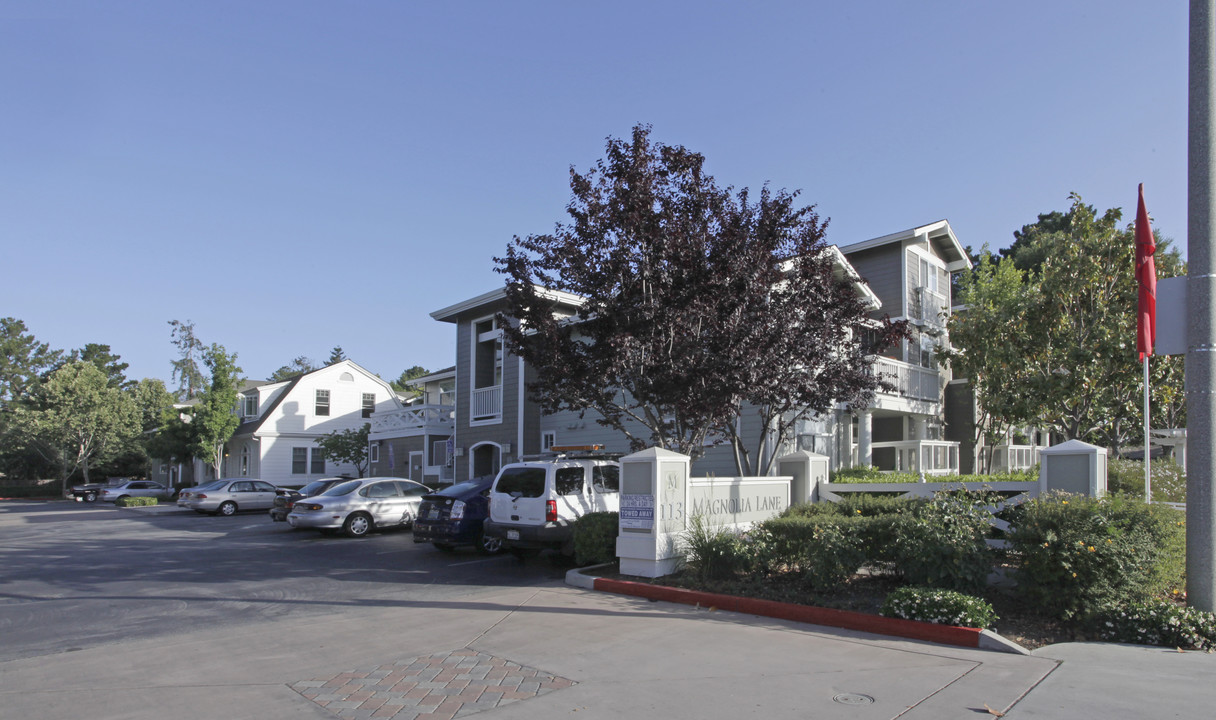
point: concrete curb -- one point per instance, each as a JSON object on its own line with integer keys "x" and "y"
{"x": 846, "y": 619}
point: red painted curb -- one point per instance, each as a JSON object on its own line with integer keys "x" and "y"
{"x": 847, "y": 619}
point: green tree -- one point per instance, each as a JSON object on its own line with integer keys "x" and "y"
{"x": 401, "y": 384}
{"x": 336, "y": 355}
{"x": 187, "y": 370}
{"x": 1060, "y": 351}
{"x": 106, "y": 361}
{"x": 214, "y": 417}
{"x": 22, "y": 361}
{"x": 77, "y": 418}
{"x": 299, "y": 366}
{"x": 347, "y": 446}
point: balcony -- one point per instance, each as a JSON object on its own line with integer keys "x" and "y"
{"x": 486, "y": 404}
{"x": 1011, "y": 458}
{"x": 928, "y": 308}
{"x": 931, "y": 457}
{"x": 413, "y": 420}
{"x": 910, "y": 381}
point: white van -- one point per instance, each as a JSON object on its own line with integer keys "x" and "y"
{"x": 534, "y": 504}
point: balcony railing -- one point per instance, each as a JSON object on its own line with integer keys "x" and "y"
{"x": 910, "y": 381}
{"x": 1009, "y": 458}
{"x": 928, "y": 307}
{"x": 931, "y": 457}
{"x": 414, "y": 419}
{"x": 487, "y": 403}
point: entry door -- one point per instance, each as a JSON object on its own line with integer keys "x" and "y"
{"x": 416, "y": 466}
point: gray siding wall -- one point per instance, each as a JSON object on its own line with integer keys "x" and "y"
{"x": 882, "y": 269}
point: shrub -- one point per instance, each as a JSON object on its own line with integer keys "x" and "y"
{"x": 866, "y": 504}
{"x": 943, "y": 543}
{"x": 1157, "y": 623}
{"x": 944, "y": 607}
{"x": 824, "y": 551}
{"x": 31, "y": 491}
{"x": 870, "y": 474}
{"x": 135, "y": 501}
{"x": 713, "y": 553}
{"x": 1077, "y": 554}
{"x": 1126, "y": 477}
{"x": 595, "y": 538}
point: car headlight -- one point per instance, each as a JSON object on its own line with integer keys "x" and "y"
{"x": 457, "y": 510}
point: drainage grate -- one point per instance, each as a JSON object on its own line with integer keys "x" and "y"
{"x": 853, "y": 699}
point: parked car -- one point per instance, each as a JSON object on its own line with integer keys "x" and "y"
{"x": 184, "y": 495}
{"x": 89, "y": 492}
{"x": 359, "y": 506}
{"x": 286, "y": 497}
{"x": 455, "y": 516}
{"x": 136, "y": 488}
{"x": 233, "y": 494}
{"x": 534, "y": 504}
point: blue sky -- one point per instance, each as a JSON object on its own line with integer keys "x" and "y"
{"x": 297, "y": 175}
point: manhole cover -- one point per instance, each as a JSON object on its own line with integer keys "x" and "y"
{"x": 853, "y": 699}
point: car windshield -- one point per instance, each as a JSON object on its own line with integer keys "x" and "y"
{"x": 312, "y": 488}
{"x": 345, "y": 488}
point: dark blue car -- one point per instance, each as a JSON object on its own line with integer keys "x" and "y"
{"x": 453, "y": 516}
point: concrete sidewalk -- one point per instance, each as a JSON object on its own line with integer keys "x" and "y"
{"x": 555, "y": 650}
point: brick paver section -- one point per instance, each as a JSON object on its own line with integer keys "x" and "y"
{"x": 442, "y": 687}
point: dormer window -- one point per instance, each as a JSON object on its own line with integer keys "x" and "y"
{"x": 250, "y": 408}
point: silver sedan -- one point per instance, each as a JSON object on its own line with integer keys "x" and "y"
{"x": 359, "y": 506}
{"x": 230, "y": 495}
{"x": 136, "y": 488}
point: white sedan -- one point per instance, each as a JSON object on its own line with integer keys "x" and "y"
{"x": 359, "y": 506}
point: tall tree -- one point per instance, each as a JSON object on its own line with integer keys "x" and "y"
{"x": 299, "y": 366}
{"x": 1066, "y": 357}
{"x": 106, "y": 361}
{"x": 347, "y": 446}
{"x": 214, "y": 417}
{"x": 695, "y": 303}
{"x": 187, "y": 368}
{"x": 22, "y": 360}
{"x": 336, "y": 355}
{"x": 401, "y": 384}
{"x": 77, "y": 417}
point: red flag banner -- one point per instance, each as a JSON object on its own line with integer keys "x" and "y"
{"x": 1146, "y": 278}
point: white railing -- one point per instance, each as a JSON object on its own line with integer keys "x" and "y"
{"x": 911, "y": 381}
{"x": 929, "y": 307}
{"x": 932, "y": 457}
{"x": 487, "y": 403}
{"x": 1010, "y": 458}
{"x": 422, "y": 418}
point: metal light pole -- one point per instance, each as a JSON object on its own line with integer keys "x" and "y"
{"x": 1201, "y": 311}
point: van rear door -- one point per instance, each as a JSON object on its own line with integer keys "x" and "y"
{"x": 518, "y": 495}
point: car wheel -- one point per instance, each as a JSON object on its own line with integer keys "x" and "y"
{"x": 227, "y": 508}
{"x": 487, "y": 545}
{"x": 90, "y": 497}
{"x": 444, "y": 547}
{"x": 357, "y": 525}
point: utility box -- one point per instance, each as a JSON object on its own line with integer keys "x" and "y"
{"x": 807, "y": 470}
{"x": 653, "y": 512}
{"x": 1074, "y": 467}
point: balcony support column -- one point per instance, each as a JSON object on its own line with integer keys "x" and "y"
{"x": 845, "y": 448}
{"x": 865, "y": 439}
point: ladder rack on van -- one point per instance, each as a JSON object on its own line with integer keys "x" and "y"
{"x": 574, "y": 452}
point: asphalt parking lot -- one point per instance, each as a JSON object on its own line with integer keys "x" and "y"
{"x": 76, "y": 575}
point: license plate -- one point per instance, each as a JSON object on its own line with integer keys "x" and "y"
{"x": 512, "y": 534}
{"x": 433, "y": 514}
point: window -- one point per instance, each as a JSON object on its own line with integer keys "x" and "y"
{"x": 251, "y": 405}
{"x": 439, "y": 452}
{"x": 299, "y": 461}
{"x": 569, "y": 481}
{"x": 369, "y": 404}
{"x": 373, "y": 454}
{"x": 380, "y": 490}
{"x": 245, "y": 460}
{"x": 606, "y": 478}
{"x": 548, "y": 438}
{"x": 527, "y": 481}
{"x": 322, "y": 402}
{"x": 318, "y": 461}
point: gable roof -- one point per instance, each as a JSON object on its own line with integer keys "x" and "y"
{"x": 251, "y": 426}
{"x": 451, "y": 313}
{"x": 939, "y": 234}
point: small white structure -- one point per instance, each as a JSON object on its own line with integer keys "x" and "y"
{"x": 806, "y": 471}
{"x": 1075, "y": 467}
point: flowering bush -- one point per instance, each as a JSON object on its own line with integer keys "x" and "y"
{"x": 944, "y": 607}
{"x": 1157, "y": 623}
{"x": 1077, "y": 554}
{"x": 1126, "y": 477}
